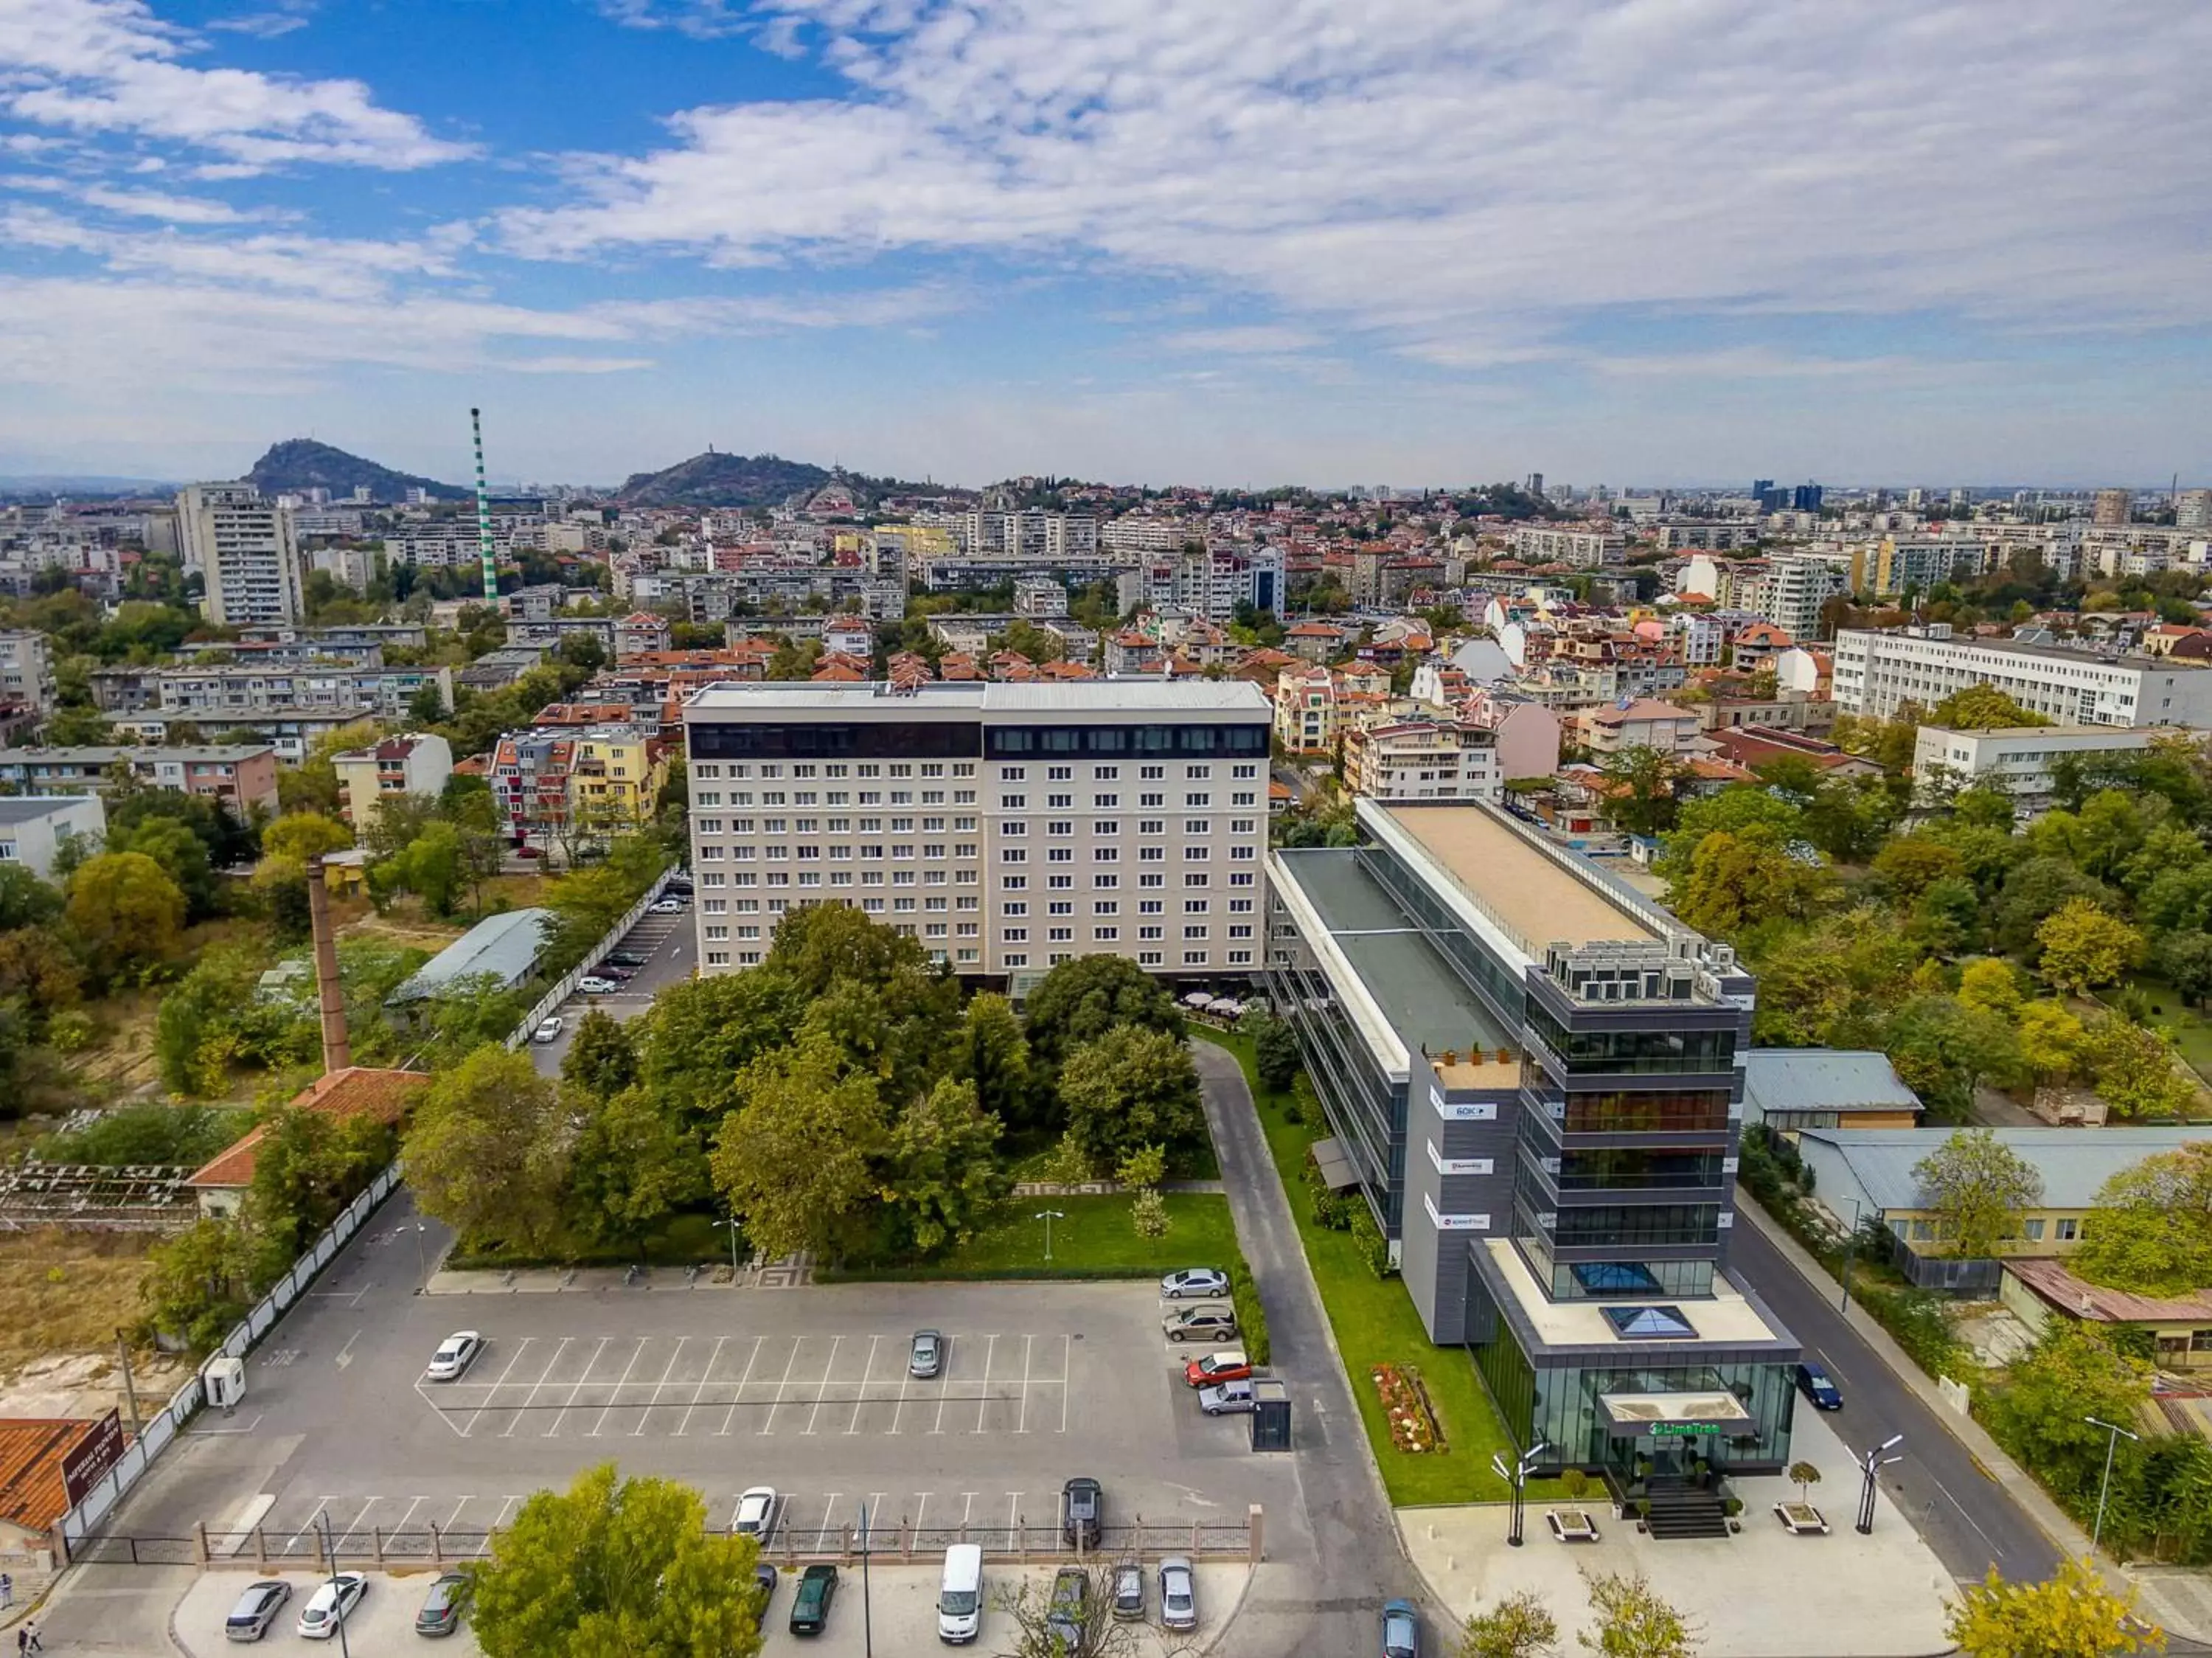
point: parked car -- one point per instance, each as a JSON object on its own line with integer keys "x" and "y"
{"x": 1069, "y": 1608}
{"x": 1226, "y": 1399}
{"x": 756, "y": 1516}
{"x": 622, "y": 958}
{"x": 1228, "y": 1365}
{"x": 678, "y": 886}
{"x": 454, "y": 1355}
{"x": 1128, "y": 1592}
{"x": 256, "y": 1609}
{"x": 1082, "y": 1511}
{"x": 763, "y": 1585}
{"x": 1194, "y": 1281}
{"x": 548, "y": 1030}
{"x": 665, "y": 906}
{"x": 1401, "y": 1629}
{"x": 442, "y": 1608}
{"x": 1199, "y": 1324}
{"x": 621, "y": 975}
{"x": 593, "y": 985}
{"x": 1818, "y": 1386}
{"x": 1178, "y": 1594}
{"x": 926, "y": 1356}
{"x": 809, "y": 1607}
{"x": 331, "y": 1605}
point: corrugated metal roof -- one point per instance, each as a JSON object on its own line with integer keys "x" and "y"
{"x": 505, "y": 946}
{"x": 2075, "y": 1162}
{"x": 1822, "y": 1079}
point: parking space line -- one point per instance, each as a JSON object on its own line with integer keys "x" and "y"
{"x": 705, "y": 1376}
{"x": 738, "y": 1397}
{"x": 507, "y": 1432}
{"x": 920, "y": 1508}
{"x": 906, "y": 1375}
{"x": 1013, "y": 1518}
{"x": 313, "y": 1514}
{"x": 517, "y": 1359}
{"x": 1022, "y": 1421}
{"x": 967, "y": 1510}
{"x": 454, "y": 1519}
{"x": 345, "y": 1538}
{"x": 417, "y": 1504}
{"x": 822, "y": 1392}
{"x": 829, "y": 1513}
{"x": 768, "y": 1421}
{"x": 990, "y": 1350}
{"x": 867, "y": 1376}
{"x": 613, "y": 1398}
{"x": 1066, "y": 1375}
{"x": 667, "y": 1372}
{"x": 589, "y": 1366}
{"x": 484, "y": 1549}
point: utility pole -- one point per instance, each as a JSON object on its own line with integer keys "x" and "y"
{"x": 1048, "y": 1216}
{"x": 129, "y": 1390}
{"x": 867, "y": 1600}
{"x": 345, "y": 1646}
{"x": 2112, "y": 1432}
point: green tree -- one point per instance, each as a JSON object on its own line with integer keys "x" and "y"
{"x": 2186, "y": 961}
{"x": 945, "y": 1173}
{"x": 601, "y": 1060}
{"x": 489, "y": 1152}
{"x": 2151, "y": 1234}
{"x": 1909, "y": 865}
{"x": 612, "y": 1566}
{"x": 1736, "y": 882}
{"x": 1981, "y": 708}
{"x": 1991, "y": 986}
{"x": 632, "y": 1168}
{"x": 795, "y": 1161}
{"x": 1980, "y": 1189}
{"x": 1518, "y": 1626}
{"x": 1131, "y": 1088}
{"x": 1640, "y": 786}
{"x": 2071, "y": 1374}
{"x": 2035, "y": 889}
{"x": 700, "y": 1036}
{"x": 125, "y": 912}
{"x": 1633, "y": 1620}
{"x": 2071, "y": 1614}
{"x": 433, "y": 866}
{"x": 1275, "y": 1053}
{"x": 994, "y": 1056}
{"x": 1080, "y": 1000}
{"x": 2083, "y": 947}
{"x": 2134, "y": 1069}
{"x": 197, "y": 1282}
{"x": 307, "y": 1168}
{"x": 25, "y": 900}
{"x": 181, "y": 854}
{"x": 2051, "y": 1040}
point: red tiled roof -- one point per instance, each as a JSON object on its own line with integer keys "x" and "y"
{"x": 354, "y": 1092}
{"x": 32, "y": 1449}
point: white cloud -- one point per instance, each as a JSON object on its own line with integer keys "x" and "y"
{"x": 110, "y": 66}
{"x": 1470, "y": 180}
{"x": 262, "y": 25}
{"x": 702, "y": 19}
{"x": 158, "y": 205}
{"x": 1256, "y": 339}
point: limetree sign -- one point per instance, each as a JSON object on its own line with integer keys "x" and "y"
{"x": 1671, "y": 1430}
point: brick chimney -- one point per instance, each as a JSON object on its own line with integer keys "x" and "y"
{"x": 337, "y": 1052}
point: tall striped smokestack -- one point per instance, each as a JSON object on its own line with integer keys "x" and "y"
{"x": 330, "y": 994}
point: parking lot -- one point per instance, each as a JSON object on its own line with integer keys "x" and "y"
{"x": 669, "y": 945}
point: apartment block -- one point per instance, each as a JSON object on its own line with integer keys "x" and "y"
{"x": 566, "y": 786}
{"x": 418, "y": 764}
{"x": 1530, "y": 1074}
{"x": 2018, "y": 760}
{"x": 221, "y": 694}
{"x": 1427, "y": 759}
{"x": 33, "y": 832}
{"x": 1876, "y": 674}
{"x": 1009, "y": 827}
{"x": 246, "y": 550}
{"x": 1797, "y": 585}
{"x": 1580, "y": 544}
{"x": 1306, "y": 713}
{"x": 240, "y": 776}
{"x": 1209, "y": 582}
{"x": 27, "y": 671}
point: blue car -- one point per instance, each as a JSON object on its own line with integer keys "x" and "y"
{"x": 1401, "y": 1629}
{"x": 1818, "y": 1386}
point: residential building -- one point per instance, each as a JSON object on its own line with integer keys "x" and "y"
{"x": 212, "y": 697}
{"x": 1797, "y": 586}
{"x": 2192, "y": 511}
{"x": 247, "y": 551}
{"x": 418, "y": 764}
{"x": 1040, "y": 597}
{"x": 848, "y": 636}
{"x": 1208, "y": 582}
{"x": 1008, "y": 828}
{"x": 33, "y": 828}
{"x": 1876, "y": 1169}
{"x": 2112, "y": 507}
{"x": 1422, "y": 759}
{"x": 1527, "y": 734}
{"x": 242, "y": 777}
{"x": 2022, "y": 760}
{"x": 1317, "y": 642}
{"x": 1586, "y": 547}
{"x": 567, "y": 786}
{"x": 27, "y": 672}
{"x": 1641, "y": 725}
{"x": 1530, "y": 1072}
{"x": 640, "y": 633}
{"x": 1877, "y": 674}
{"x": 500, "y": 668}
{"x": 1306, "y": 710}
{"x": 1788, "y": 1090}
{"x": 2040, "y": 1292}
{"x": 222, "y": 1183}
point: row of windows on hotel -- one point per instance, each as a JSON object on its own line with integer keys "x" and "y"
{"x": 714, "y": 772}
{"x": 875, "y": 851}
{"x": 1054, "y": 826}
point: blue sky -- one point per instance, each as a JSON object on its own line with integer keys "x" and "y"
{"x": 1247, "y": 242}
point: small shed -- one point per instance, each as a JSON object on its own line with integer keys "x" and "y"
{"x": 222, "y": 1184}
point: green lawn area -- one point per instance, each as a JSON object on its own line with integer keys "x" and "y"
{"x": 1094, "y": 1240}
{"x": 2192, "y": 1033}
{"x": 1375, "y": 1323}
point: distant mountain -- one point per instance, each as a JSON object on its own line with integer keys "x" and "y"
{"x": 78, "y": 486}
{"x": 714, "y": 479}
{"x": 298, "y": 464}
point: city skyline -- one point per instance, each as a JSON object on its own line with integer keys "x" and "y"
{"x": 1613, "y": 243}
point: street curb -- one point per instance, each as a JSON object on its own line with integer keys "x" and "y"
{"x": 2048, "y": 1518}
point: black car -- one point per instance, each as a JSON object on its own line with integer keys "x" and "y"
{"x": 1818, "y": 1386}
{"x": 809, "y": 1607}
{"x": 1082, "y": 1511}
{"x": 622, "y": 959}
{"x": 764, "y": 1585}
{"x": 443, "y": 1607}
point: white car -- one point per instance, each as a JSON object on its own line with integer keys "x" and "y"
{"x": 756, "y": 1516}
{"x": 1178, "y": 1594}
{"x": 1194, "y": 1281}
{"x": 548, "y": 1030}
{"x": 454, "y": 1355}
{"x": 331, "y": 1605}
{"x": 666, "y": 906}
{"x": 592, "y": 984}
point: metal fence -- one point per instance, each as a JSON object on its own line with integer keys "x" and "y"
{"x": 566, "y": 987}
{"x": 75, "y": 1526}
{"x": 372, "y": 1548}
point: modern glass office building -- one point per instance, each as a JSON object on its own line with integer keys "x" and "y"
{"x": 1531, "y": 1073}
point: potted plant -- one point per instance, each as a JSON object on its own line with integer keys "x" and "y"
{"x": 1800, "y": 1518}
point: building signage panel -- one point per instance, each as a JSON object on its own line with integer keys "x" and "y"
{"x": 1454, "y": 1222}
{"x": 1465, "y": 1111}
{"x": 1678, "y": 1430}
{"x": 98, "y": 1452}
{"x": 1459, "y": 1165}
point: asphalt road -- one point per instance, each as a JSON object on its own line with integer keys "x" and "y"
{"x": 669, "y": 945}
{"x": 1328, "y": 1602}
{"x": 1967, "y": 1518}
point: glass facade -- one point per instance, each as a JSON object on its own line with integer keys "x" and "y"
{"x": 827, "y": 740}
{"x": 1626, "y": 1112}
{"x": 1585, "y": 1052}
{"x": 1021, "y": 742}
{"x": 1367, "y": 1110}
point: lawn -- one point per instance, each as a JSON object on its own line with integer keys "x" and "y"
{"x": 1375, "y": 1323}
{"x": 1092, "y": 1238}
{"x": 2192, "y": 1031}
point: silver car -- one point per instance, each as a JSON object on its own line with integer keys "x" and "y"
{"x": 1226, "y": 1398}
{"x": 256, "y": 1610}
{"x": 926, "y": 1356}
{"x": 1178, "y": 1594}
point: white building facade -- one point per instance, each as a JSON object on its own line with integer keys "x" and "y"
{"x": 247, "y": 551}
{"x": 1877, "y": 674}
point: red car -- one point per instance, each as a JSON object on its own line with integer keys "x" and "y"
{"x": 1230, "y": 1366}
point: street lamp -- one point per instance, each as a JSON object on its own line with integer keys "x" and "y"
{"x": 732, "y": 1224}
{"x": 1850, "y": 1248}
{"x": 1870, "y": 1465}
{"x": 1517, "y": 1478}
{"x": 345, "y": 1646}
{"x": 867, "y": 1606}
{"x": 2113, "y": 1430}
{"x": 421, "y": 1265}
{"x": 1048, "y": 1216}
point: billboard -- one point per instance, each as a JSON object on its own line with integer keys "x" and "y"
{"x": 95, "y": 1453}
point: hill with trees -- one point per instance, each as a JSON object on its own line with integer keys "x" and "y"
{"x": 715, "y": 479}
{"x": 298, "y": 464}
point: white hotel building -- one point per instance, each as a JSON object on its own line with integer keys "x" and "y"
{"x": 1008, "y": 828}
{"x": 1877, "y": 674}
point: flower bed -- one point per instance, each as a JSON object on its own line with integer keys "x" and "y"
{"x": 1406, "y": 1402}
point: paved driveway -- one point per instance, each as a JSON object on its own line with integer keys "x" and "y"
{"x": 669, "y": 943}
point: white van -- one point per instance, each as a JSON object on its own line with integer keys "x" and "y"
{"x": 960, "y": 1598}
